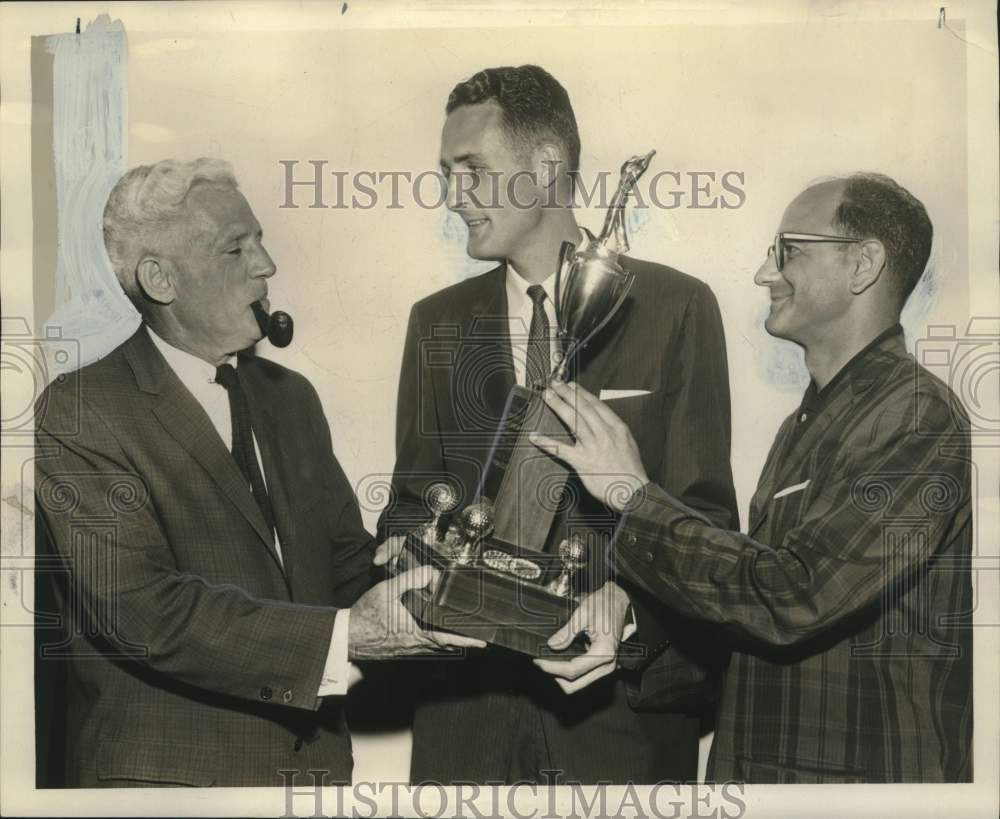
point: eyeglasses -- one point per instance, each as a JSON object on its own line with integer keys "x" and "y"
{"x": 781, "y": 239}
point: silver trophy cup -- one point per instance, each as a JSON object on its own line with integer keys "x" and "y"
{"x": 590, "y": 283}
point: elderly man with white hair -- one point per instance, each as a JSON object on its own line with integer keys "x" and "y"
{"x": 214, "y": 583}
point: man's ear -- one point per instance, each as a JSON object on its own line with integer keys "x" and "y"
{"x": 155, "y": 280}
{"x": 548, "y": 164}
{"x": 871, "y": 265}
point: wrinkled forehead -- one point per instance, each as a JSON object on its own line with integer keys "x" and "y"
{"x": 814, "y": 210}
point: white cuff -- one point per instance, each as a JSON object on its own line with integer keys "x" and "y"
{"x": 339, "y": 674}
{"x": 631, "y": 627}
{"x": 572, "y": 686}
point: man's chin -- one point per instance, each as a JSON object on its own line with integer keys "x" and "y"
{"x": 777, "y": 328}
{"x": 482, "y": 252}
{"x": 250, "y": 340}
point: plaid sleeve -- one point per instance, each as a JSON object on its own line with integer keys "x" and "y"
{"x": 835, "y": 558}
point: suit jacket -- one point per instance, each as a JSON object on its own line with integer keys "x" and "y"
{"x": 847, "y": 603}
{"x": 192, "y": 656}
{"x": 456, "y": 374}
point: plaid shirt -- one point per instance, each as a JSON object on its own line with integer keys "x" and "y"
{"x": 847, "y": 605}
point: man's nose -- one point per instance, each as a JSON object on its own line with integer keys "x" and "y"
{"x": 767, "y": 274}
{"x": 263, "y": 266}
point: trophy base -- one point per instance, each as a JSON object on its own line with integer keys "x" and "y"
{"x": 477, "y": 601}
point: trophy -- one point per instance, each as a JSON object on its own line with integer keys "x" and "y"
{"x": 573, "y": 554}
{"x": 596, "y": 285}
{"x": 500, "y": 580}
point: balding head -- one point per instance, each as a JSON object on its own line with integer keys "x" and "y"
{"x": 873, "y": 206}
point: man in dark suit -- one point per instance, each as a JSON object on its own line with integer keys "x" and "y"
{"x": 848, "y": 602}
{"x": 210, "y": 600}
{"x": 509, "y": 149}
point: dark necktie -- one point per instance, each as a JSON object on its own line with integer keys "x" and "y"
{"x": 243, "y": 448}
{"x": 539, "y": 365}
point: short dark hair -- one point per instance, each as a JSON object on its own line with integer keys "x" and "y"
{"x": 535, "y": 106}
{"x": 874, "y": 206}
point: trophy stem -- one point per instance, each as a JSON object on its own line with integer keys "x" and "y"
{"x": 568, "y": 347}
{"x": 560, "y": 373}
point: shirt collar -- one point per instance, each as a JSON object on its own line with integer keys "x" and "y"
{"x": 815, "y": 399}
{"x": 189, "y": 368}
{"x": 518, "y": 300}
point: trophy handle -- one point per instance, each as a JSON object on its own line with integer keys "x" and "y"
{"x": 565, "y": 257}
{"x": 566, "y": 251}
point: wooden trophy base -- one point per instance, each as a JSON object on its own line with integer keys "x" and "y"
{"x": 525, "y": 486}
{"x": 490, "y": 605}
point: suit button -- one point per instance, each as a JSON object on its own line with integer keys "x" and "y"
{"x": 265, "y": 693}
{"x": 286, "y": 695}
{"x": 631, "y": 539}
{"x": 648, "y": 556}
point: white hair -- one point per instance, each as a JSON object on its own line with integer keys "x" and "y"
{"x": 140, "y": 204}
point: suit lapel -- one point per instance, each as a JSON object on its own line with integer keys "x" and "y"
{"x": 491, "y": 323}
{"x": 185, "y": 420}
{"x": 485, "y": 363}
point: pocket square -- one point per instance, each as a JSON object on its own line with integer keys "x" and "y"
{"x": 791, "y": 490}
{"x": 611, "y": 395}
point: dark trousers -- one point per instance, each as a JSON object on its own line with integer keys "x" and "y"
{"x": 499, "y": 719}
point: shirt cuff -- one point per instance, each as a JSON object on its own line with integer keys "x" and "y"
{"x": 631, "y": 626}
{"x": 339, "y": 674}
{"x": 592, "y": 676}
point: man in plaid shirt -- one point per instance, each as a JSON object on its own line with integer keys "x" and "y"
{"x": 847, "y": 603}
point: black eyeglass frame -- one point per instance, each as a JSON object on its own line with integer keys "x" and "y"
{"x": 778, "y": 248}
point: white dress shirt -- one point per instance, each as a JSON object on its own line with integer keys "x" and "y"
{"x": 198, "y": 376}
{"x": 520, "y": 309}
